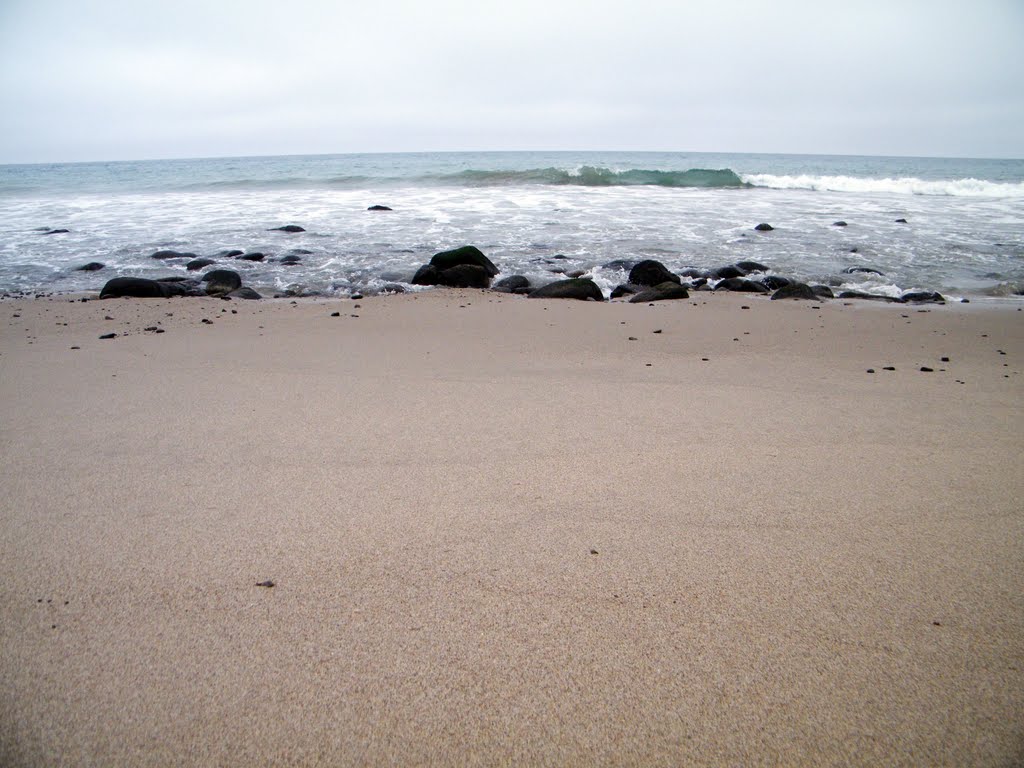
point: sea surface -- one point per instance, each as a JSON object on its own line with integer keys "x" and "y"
{"x": 963, "y": 236}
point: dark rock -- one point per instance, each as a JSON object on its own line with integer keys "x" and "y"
{"x": 924, "y": 297}
{"x": 901, "y": 221}
{"x": 751, "y": 266}
{"x": 109, "y": 336}
{"x": 465, "y": 276}
{"x": 700, "y": 284}
{"x": 300, "y": 252}
{"x": 823, "y": 292}
{"x": 662, "y": 292}
{"x": 867, "y": 296}
{"x": 182, "y": 287}
{"x": 624, "y": 289}
{"x": 795, "y": 291}
{"x": 173, "y": 255}
{"x": 582, "y": 289}
{"x": 199, "y": 264}
{"x": 244, "y": 293}
{"x": 92, "y": 266}
{"x": 392, "y": 288}
{"x": 865, "y": 270}
{"x": 651, "y": 273}
{"x": 839, "y": 224}
{"x": 467, "y": 254}
{"x": 740, "y": 285}
{"x": 56, "y": 231}
{"x": 378, "y": 208}
{"x": 426, "y": 275}
{"x": 723, "y": 273}
{"x": 692, "y": 272}
{"x": 287, "y": 228}
{"x": 926, "y": 369}
{"x": 576, "y": 273}
{"x": 774, "y": 282}
{"x": 764, "y": 227}
{"x": 222, "y": 281}
{"x": 136, "y": 287}
{"x": 624, "y": 264}
{"x": 289, "y": 260}
{"x": 251, "y": 257}
{"x": 230, "y": 254}
{"x": 511, "y": 284}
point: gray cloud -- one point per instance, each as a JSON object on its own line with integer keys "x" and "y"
{"x": 109, "y": 79}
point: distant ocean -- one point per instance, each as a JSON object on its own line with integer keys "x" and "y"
{"x": 963, "y": 236}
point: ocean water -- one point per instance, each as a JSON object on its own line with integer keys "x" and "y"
{"x": 964, "y": 234}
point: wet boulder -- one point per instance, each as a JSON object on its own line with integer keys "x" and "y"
{"x": 582, "y": 289}
{"x": 182, "y": 286}
{"x": 624, "y": 264}
{"x": 795, "y": 291}
{"x": 763, "y": 227}
{"x": 244, "y": 293}
{"x": 774, "y": 282}
{"x": 751, "y": 266}
{"x": 92, "y": 266}
{"x": 740, "y": 285}
{"x": 426, "y": 275}
{"x": 289, "y": 260}
{"x": 823, "y": 292}
{"x": 378, "y": 208}
{"x": 512, "y": 284}
{"x": 624, "y": 289}
{"x": 199, "y": 264}
{"x": 923, "y": 297}
{"x": 650, "y": 273}
{"x": 863, "y": 270}
{"x": 135, "y": 287}
{"x": 222, "y": 281}
{"x": 464, "y": 276}
{"x": 724, "y": 273}
{"x": 288, "y": 228}
{"x": 467, "y": 254}
{"x": 662, "y": 292}
{"x": 163, "y": 255}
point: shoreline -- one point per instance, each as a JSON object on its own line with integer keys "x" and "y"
{"x": 510, "y": 530}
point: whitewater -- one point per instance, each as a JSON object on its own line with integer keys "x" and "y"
{"x": 950, "y": 225}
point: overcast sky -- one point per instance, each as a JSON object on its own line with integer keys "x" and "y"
{"x": 133, "y": 79}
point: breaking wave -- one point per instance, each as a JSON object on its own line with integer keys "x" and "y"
{"x": 590, "y": 176}
{"x": 905, "y": 186}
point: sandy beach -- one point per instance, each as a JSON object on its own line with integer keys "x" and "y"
{"x": 504, "y": 531}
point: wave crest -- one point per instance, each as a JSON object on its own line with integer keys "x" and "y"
{"x": 904, "y": 186}
{"x": 590, "y": 176}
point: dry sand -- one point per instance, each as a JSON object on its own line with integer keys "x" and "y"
{"x": 501, "y": 531}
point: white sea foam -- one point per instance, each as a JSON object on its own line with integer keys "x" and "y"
{"x": 902, "y": 186}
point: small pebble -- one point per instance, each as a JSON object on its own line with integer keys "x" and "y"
{"x": 871, "y": 370}
{"x": 889, "y": 368}
{"x": 109, "y": 336}
{"x": 944, "y": 359}
{"x": 594, "y": 552}
{"x": 657, "y": 331}
{"x": 926, "y": 369}
{"x": 335, "y": 314}
{"x": 268, "y": 583}
{"x": 633, "y": 338}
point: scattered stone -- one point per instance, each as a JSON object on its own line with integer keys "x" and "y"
{"x": 251, "y": 257}
{"x": 657, "y": 331}
{"x": 751, "y": 266}
{"x": 195, "y": 264}
{"x": 378, "y": 208}
{"x": 173, "y": 255}
{"x": 889, "y": 368}
{"x": 135, "y": 287}
{"x": 593, "y": 552}
{"x": 651, "y": 273}
{"x": 795, "y": 291}
{"x": 764, "y": 227}
{"x": 76, "y": 347}
{"x": 56, "y": 231}
{"x": 582, "y": 289}
{"x": 287, "y": 228}
{"x": 665, "y": 291}
{"x": 268, "y": 584}
{"x": 823, "y": 292}
{"x": 92, "y": 266}
{"x": 867, "y": 296}
{"x": 901, "y": 221}
{"x": 234, "y": 253}
{"x": 865, "y": 270}
{"x": 109, "y": 336}
{"x": 871, "y": 370}
{"x": 289, "y": 260}
{"x": 926, "y": 369}
{"x": 944, "y": 359}
{"x": 838, "y": 223}
{"x": 335, "y": 314}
